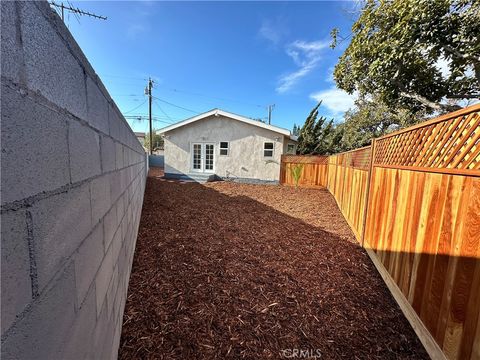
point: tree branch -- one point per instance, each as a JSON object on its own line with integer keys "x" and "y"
{"x": 473, "y": 59}
{"x": 431, "y": 104}
{"x": 460, "y": 55}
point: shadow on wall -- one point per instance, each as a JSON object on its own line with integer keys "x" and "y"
{"x": 218, "y": 272}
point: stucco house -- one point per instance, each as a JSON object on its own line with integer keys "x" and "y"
{"x": 219, "y": 144}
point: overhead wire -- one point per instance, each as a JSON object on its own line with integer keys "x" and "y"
{"x": 178, "y": 106}
{"x": 135, "y": 108}
{"x": 161, "y": 109}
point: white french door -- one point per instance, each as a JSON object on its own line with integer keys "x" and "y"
{"x": 203, "y": 157}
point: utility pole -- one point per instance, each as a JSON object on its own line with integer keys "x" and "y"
{"x": 270, "y": 109}
{"x": 148, "y": 91}
{"x": 75, "y": 11}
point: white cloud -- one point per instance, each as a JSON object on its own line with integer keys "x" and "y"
{"x": 306, "y": 55}
{"x": 270, "y": 32}
{"x": 335, "y": 100}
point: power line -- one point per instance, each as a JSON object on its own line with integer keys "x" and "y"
{"x": 135, "y": 108}
{"x": 178, "y": 106}
{"x": 145, "y": 118}
{"x": 164, "y": 113}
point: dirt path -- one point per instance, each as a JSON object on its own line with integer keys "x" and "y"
{"x": 258, "y": 272}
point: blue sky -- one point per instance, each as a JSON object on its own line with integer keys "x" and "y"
{"x": 237, "y": 56}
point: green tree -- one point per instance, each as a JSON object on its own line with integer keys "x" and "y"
{"x": 316, "y": 136}
{"x": 157, "y": 141}
{"x": 370, "y": 118}
{"x": 296, "y": 130}
{"x": 397, "y": 48}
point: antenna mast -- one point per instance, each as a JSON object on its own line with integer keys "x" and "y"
{"x": 75, "y": 11}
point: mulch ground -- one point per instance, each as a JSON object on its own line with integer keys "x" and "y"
{"x": 226, "y": 270}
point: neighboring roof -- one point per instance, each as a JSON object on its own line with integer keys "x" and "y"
{"x": 139, "y": 134}
{"x": 218, "y": 112}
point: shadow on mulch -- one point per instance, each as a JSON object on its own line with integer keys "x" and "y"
{"x": 219, "y": 274}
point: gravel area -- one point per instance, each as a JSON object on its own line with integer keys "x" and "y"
{"x": 225, "y": 270}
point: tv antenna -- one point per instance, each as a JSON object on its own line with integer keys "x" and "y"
{"x": 75, "y": 10}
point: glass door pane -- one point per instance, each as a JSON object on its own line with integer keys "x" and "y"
{"x": 197, "y": 157}
{"x": 209, "y": 157}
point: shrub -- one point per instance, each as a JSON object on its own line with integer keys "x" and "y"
{"x": 296, "y": 171}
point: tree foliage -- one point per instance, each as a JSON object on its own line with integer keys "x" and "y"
{"x": 157, "y": 141}
{"x": 397, "y": 48}
{"x": 370, "y": 118}
{"x": 316, "y": 136}
{"x": 296, "y": 130}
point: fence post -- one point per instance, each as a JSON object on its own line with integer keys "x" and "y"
{"x": 367, "y": 195}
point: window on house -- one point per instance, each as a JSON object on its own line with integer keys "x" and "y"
{"x": 291, "y": 149}
{"x": 268, "y": 149}
{"x": 224, "y": 148}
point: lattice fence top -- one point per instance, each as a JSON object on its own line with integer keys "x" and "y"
{"x": 357, "y": 159}
{"x": 448, "y": 142}
{"x": 305, "y": 159}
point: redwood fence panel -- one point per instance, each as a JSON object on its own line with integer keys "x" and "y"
{"x": 413, "y": 201}
{"x": 314, "y": 172}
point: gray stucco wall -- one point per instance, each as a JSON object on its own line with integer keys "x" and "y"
{"x": 245, "y": 159}
{"x": 72, "y": 183}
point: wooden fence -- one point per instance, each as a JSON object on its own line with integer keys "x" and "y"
{"x": 314, "y": 170}
{"x": 413, "y": 201}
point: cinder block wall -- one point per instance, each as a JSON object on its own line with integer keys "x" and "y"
{"x": 72, "y": 184}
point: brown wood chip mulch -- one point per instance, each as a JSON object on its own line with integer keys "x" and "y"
{"x": 226, "y": 270}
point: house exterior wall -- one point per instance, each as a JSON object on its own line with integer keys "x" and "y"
{"x": 245, "y": 159}
{"x": 73, "y": 179}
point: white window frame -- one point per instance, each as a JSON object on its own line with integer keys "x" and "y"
{"x": 220, "y": 148}
{"x": 294, "y": 148}
{"x": 272, "y": 149}
{"x": 203, "y": 157}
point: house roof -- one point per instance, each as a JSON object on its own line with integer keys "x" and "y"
{"x": 219, "y": 112}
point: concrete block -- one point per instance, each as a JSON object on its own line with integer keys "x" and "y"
{"x": 80, "y": 340}
{"x": 106, "y": 350}
{"x": 15, "y": 275}
{"x": 41, "y": 333}
{"x": 84, "y": 146}
{"x": 114, "y": 122}
{"x": 103, "y": 278}
{"x": 108, "y": 153}
{"x": 120, "y": 209}
{"x": 124, "y": 224}
{"x": 99, "y": 334}
{"x": 116, "y": 341}
{"x": 115, "y": 186}
{"x": 88, "y": 258}
{"x": 11, "y": 48}
{"x": 51, "y": 69}
{"x": 60, "y": 223}
{"x": 111, "y": 292}
{"x": 34, "y": 147}
{"x": 110, "y": 224}
{"x": 117, "y": 245}
{"x": 119, "y": 159}
{"x": 97, "y": 106}
{"x": 100, "y": 197}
